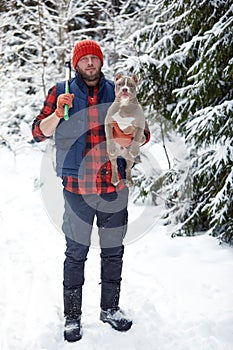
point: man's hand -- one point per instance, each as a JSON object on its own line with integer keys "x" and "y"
{"x": 63, "y": 99}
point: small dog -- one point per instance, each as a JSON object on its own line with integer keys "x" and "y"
{"x": 124, "y": 127}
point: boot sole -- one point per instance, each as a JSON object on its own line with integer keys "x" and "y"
{"x": 125, "y": 329}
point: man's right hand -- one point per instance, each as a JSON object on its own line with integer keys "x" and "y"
{"x": 63, "y": 99}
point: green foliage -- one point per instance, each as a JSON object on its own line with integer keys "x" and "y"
{"x": 205, "y": 108}
{"x": 184, "y": 59}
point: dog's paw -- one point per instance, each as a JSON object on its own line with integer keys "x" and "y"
{"x": 129, "y": 182}
{"x": 134, "y": 150}
{"x": 137, "y": 159}
{"x": 111, "y": 149}
{"x": 134, "y": 155}
{"x": 115, "y": 181}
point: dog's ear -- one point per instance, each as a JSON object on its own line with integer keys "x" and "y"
{"x": 135, "y": 78}
{"x": 119, "y": 75}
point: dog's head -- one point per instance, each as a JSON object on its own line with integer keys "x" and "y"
{"x": 125, "y": 88}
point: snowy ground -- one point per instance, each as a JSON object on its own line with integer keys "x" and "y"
{"x": 178, "y": 291}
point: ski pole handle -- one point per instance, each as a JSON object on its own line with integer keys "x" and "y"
{"x": 66, "y": 107}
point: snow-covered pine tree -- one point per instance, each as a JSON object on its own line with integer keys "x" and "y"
{"x": 17, "y": 88}
{"x": 36, "y": 38}
{"x": 205, "y": 110}
{"x": 151, "y": 52}
{"x": 183, "y": 55}
{"x": 115, "y": 19}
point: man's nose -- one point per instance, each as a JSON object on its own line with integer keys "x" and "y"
{"x": 90, "y": 60}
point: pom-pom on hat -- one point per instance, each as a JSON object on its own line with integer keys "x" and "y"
{"x": 86, "y": 47}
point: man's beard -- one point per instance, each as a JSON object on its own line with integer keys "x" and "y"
{"x": 88, "y": 77}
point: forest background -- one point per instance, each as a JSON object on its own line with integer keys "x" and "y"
{"x": 181, "y": 51}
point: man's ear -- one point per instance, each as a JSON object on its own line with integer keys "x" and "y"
{"x": 119, "y": 75}
{"x": 135, "y": 78}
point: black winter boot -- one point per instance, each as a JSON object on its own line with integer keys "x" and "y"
{"x": 72, "y": 312}
{"x": 110, "y": 311}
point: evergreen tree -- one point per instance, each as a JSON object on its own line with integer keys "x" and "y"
{"x": 184, "y": 58}
{"x": 151, "y": 51}
{"x": 115, "y": 19}
{"x": 206, "y": 107}
{"x": 36, "y": 38}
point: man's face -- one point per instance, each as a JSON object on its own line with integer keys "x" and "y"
{"x": 90, "y": 68}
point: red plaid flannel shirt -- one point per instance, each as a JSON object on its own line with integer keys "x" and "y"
{"x": 97, "y": 173}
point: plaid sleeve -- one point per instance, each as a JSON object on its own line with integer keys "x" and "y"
{"x": 48, "y": 108}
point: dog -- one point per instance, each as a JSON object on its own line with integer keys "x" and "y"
{"x": 124, "y": 127}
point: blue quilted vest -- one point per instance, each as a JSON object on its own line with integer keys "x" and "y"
{"x": 70, "y": 135}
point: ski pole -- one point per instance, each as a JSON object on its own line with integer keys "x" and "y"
{"x": 66, "y": 107}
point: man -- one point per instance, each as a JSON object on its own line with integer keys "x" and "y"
{"x": 83, "y": 165}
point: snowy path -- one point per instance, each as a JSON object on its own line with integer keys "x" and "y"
{"x": 179, "y": 291}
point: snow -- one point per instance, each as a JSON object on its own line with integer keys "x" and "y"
{"x": 178, "y": 291}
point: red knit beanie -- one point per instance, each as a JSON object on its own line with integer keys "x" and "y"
{"x": 86, "y": 47}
